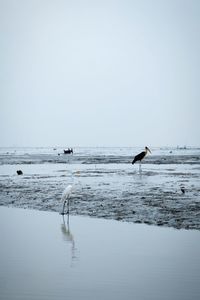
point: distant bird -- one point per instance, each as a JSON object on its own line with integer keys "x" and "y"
{"x": 65, "y": 198}
{"x": 19, "y": 172}
{"x": 141, "y": 155}
{"x": 183, "y": 189}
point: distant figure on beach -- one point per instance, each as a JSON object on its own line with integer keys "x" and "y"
{"x": 141, "y": 155}
{"x": 19, "y": 172}
{"x": 68, "y": 151}
{"x": 183, "y": 189}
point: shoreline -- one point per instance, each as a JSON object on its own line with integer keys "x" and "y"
{"x": 103, "y": 219}
{"x": 160, "y": 224}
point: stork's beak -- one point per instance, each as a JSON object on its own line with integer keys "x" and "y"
{"x": 149, "y": 150}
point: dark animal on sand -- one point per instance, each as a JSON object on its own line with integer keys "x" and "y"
{"x": 183, "y": 189}
{"x": 141, "y": 155}
{"x": 19, "y": 172}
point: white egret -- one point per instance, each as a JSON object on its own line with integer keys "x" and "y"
{"x": 65, "y": 197}
{"x": 68, "y": 191}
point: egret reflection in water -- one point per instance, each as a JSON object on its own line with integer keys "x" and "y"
{"x": 69, "y": 238}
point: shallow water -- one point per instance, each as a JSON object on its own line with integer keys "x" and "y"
{"x": 46, "y": 256}
{"x": 106, "y": 184}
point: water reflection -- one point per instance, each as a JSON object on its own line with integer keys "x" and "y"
{"x": 69, "y": 238}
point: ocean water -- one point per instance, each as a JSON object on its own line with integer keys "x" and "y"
{"x": 164, "y": 192}
{"x": 45, "y": 256}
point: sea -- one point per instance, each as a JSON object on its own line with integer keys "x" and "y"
{"x": 163, "y": 191}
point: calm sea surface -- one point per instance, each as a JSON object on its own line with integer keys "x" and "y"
{"x": 44, "y": 256}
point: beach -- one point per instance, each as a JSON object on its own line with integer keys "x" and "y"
{"x": 46, "y": 256}
{"x": 131, "y": 233}
{"x": 100, "y": 152}
{"x": 165, "y": 192}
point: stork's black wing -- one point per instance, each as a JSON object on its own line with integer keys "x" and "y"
{"x": 139, "y": 156}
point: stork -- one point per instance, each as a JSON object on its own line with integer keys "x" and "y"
{"x": 141, "y": 155}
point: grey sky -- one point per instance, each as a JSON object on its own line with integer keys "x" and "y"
{"x": 99, "y": 73}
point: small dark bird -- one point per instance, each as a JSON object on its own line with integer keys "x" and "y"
{"x": 141, "y": 155}
{"x": 183, "y": 189}
{"x": 19, "y": 172}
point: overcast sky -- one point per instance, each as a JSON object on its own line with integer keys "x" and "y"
{"x": 99, "y": 73}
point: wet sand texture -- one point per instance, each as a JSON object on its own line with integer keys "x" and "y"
{"x": 106, "y": 184}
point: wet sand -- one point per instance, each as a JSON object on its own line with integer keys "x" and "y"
{"x": 106, "y": 184}
{"x": 43, "y": 256}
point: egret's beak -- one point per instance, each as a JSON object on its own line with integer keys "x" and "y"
{"x": 149, "y": 150}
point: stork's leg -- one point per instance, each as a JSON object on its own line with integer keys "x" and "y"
{"x": 140, "y": 167}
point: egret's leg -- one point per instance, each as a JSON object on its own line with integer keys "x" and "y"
{"x": 68, "y": 206}
{"x": 63, "y": 208}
